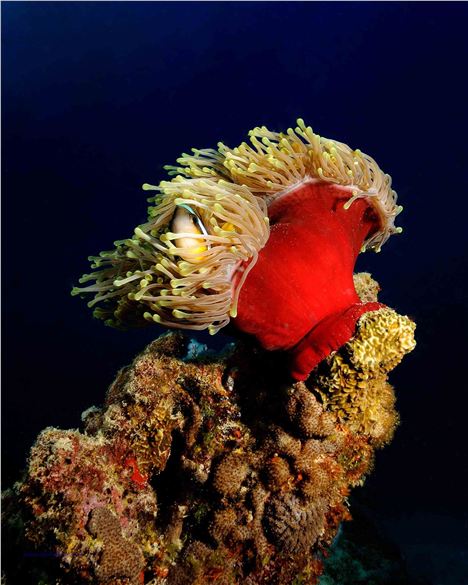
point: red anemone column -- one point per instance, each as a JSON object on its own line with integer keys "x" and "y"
{"x": 300, "y": 295}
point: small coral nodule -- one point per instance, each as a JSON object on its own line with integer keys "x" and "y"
{"x": 239, "y": 234}
{"x": 295, "y": 525}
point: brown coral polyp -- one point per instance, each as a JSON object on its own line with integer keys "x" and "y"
{"x": 294, "y": 524}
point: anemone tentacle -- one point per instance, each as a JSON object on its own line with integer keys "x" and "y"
{"x": 275, "y": 162}
{"x": 192, "y": 280}
{"x": 153, "y": 274}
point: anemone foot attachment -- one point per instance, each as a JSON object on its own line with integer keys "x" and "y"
{"x": 325, "y": 338}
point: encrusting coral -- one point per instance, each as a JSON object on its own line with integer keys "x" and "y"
{"x": 210, "y": 469}
{"x": 121, "y": 559}
{"x": 354, "y": 383}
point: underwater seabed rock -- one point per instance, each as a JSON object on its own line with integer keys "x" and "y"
{"x": 208, "y": 468}
{"x": 363, "y": 555}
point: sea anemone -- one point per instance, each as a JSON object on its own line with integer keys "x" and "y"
{"x": 265, "y": 234}
{"x": 177, "y": 269}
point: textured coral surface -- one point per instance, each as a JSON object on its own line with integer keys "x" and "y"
{"x": 201, "y": 469}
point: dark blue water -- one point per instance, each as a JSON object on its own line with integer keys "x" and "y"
{"x": 97, "y": 97}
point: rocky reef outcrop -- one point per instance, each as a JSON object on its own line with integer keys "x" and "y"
{"x": 203, "y": 468}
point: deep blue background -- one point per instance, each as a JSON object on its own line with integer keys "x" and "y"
{"x": 97, "y": 97}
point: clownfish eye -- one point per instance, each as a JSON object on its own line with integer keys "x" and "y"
{"x": 186, "y": 221}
